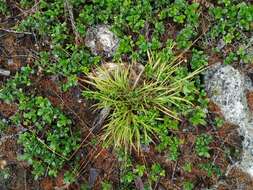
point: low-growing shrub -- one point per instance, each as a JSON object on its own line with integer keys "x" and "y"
{"x": 48, "y": 140}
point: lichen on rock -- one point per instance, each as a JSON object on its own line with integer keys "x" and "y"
{"x": 226, "y": 87}
{"x": 101, "y": 40}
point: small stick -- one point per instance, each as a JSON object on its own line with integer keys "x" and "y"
{"x": 25, "y": 180}
{"x": 173, "y": 173}
{"x": 15, "y": 32}
{"x": 4, "y": 72}
{"x": 50, "y": 149}
{"x": 72, "y": 20}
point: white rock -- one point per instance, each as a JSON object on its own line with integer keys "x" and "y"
{"x": 101, "y": 40}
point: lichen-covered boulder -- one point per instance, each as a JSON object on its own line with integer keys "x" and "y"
{"x": 226, "y": 87}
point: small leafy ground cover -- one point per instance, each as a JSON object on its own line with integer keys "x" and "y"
{"x": 161, "y": 132}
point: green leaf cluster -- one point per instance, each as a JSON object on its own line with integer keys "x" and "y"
{"x": 48, "y": 140}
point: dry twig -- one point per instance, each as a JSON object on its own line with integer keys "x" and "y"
{"x": 4, "y": 72}
{"x": 15, "y": 32}
{"x": 69, "y": 8}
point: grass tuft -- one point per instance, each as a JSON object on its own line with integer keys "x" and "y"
{"x": 136, "y": 95}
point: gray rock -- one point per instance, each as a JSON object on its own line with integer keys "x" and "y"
{"x": 99, "y": 120}
{"x": 226, "y": 87}
{"x": 221, "y": 44}
{"x": 101, "y": 40}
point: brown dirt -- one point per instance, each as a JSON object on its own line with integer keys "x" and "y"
{"x": 20, "y": 176}
{"x": 47, "y": 184}
{"x": 214, "y": 109}
{"x": 70, "y": 102}
{"x": 236, "y": 180}
{"x": 214, "y": 58}
{"x": 7, "y": 110}
{"x": 249, "y": 96}
{"x": 15, "y": 50}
